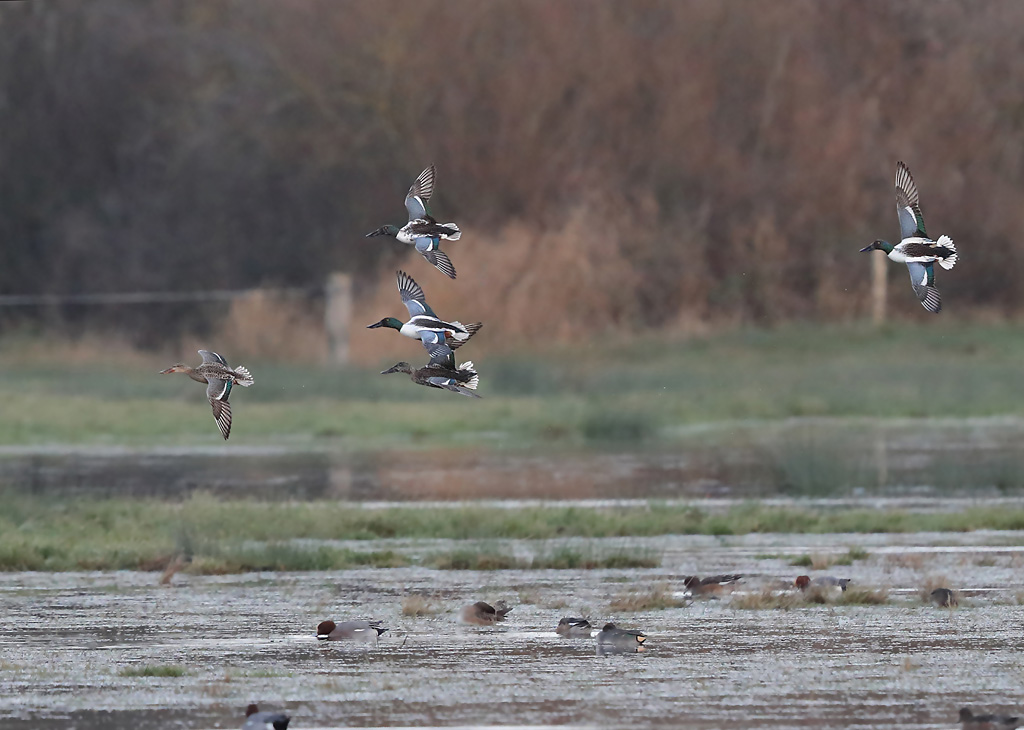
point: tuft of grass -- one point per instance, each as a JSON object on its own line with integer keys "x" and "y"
{"x": 469, "y": 559}
{"x": 767, "y": 599}
{"x": 914, "y": 561}
{"x": 154, "y": 670}
{"x": 821, "y": 561}
{"x": 656, "y": 598}
{"x": 862, "y": 596}
{"x": 416, "y": 604}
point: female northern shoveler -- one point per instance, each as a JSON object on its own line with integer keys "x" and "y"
{"x": 970, "y": 721}
{"x": 915, "y": 249}
{"x": 357, "y": 630}
{"x": 219, "y": 377}
{"x": 484, "y": 614}
{"x": 256, "y": 720}
{"x": 712, "y": 586}
{"x": 422, "y": 231}
{"x": 574, "y": 628}
{"x": 944, "y": 598}
{"x": 423, "y": 324}
{"x": 441, "y": 372}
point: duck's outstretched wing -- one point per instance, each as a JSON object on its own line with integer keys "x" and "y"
{"x": 412, "y": 295}
{"x": 419, "y": 194}
{"x": 217, "y": 392}
{"x": 213, "y": 357}
{"x": 441, "y": 356}
{"x": 922, "y": 278}
{"x": 440, "y": 260}
{"x": 907, "y": 206}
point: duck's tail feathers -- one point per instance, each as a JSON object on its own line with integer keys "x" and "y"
{"x": 473, "y": 381}
{"x": 950, "y": 260}
{"x": 244, "y": 378}
{"x": 450, "y": 232}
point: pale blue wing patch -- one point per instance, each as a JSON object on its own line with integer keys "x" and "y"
{"x": 908, "y": 207}
{"x": 412, "y": 295}
{"x": 419, "y": 194}
{"x": 431, "y": 339}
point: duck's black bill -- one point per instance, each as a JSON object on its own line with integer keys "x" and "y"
{"x": 868, "y": 248}
{"x": 374, "y": 326}
{"x": 378, "y": 232}
{"x": 389, "y": 370}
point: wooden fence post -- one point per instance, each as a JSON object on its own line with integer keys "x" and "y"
{"x": 337, "y": 317}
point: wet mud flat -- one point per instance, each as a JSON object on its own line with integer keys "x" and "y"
{"x": 71, "y": 643}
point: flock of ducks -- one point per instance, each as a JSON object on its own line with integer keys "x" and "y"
{"x": 441, "y": 338}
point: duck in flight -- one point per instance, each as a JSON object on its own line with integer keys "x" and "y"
{"x": 915, "y": 249}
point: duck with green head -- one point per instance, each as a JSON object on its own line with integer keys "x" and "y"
{"x": 915, "y": 249}
{"x": 423, "y": 324}
{"x": 422, "y": 231}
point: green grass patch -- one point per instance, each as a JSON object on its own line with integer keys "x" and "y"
{"x": 233, "y": 535}
{"x": 154, "y": 670}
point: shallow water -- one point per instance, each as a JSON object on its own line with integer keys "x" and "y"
{"x": 66, "y": 637}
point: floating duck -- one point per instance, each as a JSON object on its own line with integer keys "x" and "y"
{"x": 915, "y": 249}
{"x": 484, "y": 614}
{"x": 422, "y": 231}
{"x": 622, "y": 639}
{"x": 423, "y": 324}
{"x": 574, "y": 628}
{"x": 219, "y": 377}
{"x": 256, "y": 720}
{"x": 441, "y": 372}
{"x": 970, "y": 721}
{"x": 348, "y": 630}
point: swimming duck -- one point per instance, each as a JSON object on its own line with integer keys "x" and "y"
{"x": 915, "y": 249}
{"x": 256, "y": 720}
{"x": 803, "y": 582}
{"x": 970, "y": 721}
{"x": 574, "y": 628}
{"x": 441, "y": 372}
{"x": 423, "y": 324}
{"x": 358, "y": 630}
{"x": 712, "y": 586}
{"x": 219, "y": 377}
{"x": 484, "y": 614}
{"x": 422, "y": 231}
{"x": 610, "y": 635}
{"x": 943, "y": 598}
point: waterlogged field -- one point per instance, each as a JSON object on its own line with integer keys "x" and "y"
{"x": 120, "y": 651}
{"x": 152, "y": 576}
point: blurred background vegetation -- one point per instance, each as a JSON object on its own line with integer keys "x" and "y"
{"x": 668, "y": 167}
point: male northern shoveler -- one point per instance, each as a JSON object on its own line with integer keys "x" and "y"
{"x": 484, "y": 614}
{"x": 915, "y": 249}
{"x": 622, "y": 639}
{"x": 422, "y": 231}
{"x": 353, "y": 630}
{"x": 714, "y": 585}
{"x": 441, "y": 372}
{"x": 256, "y": 720}
{"x": 970, "y": 721}
{"x": 219, "y": 377}
{"x": 423, "y": 324}
{"x": 574, "y": 628}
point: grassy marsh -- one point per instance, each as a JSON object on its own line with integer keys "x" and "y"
{"x": 233, "y": 535}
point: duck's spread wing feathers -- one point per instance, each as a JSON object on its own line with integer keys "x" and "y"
{"x": 441, "y": 261}
{"x": 212, "y": 357}
{"x": 222, "y": 414}
{"x": 440, "y": 356}
{"x": 922, "y": 278}
{"x": 419, "y": 194}
{"x": 907, "y": 205}
{"x": 412, "y": 296}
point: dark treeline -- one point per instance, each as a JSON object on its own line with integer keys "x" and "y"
{"x": 617, "y": 163}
